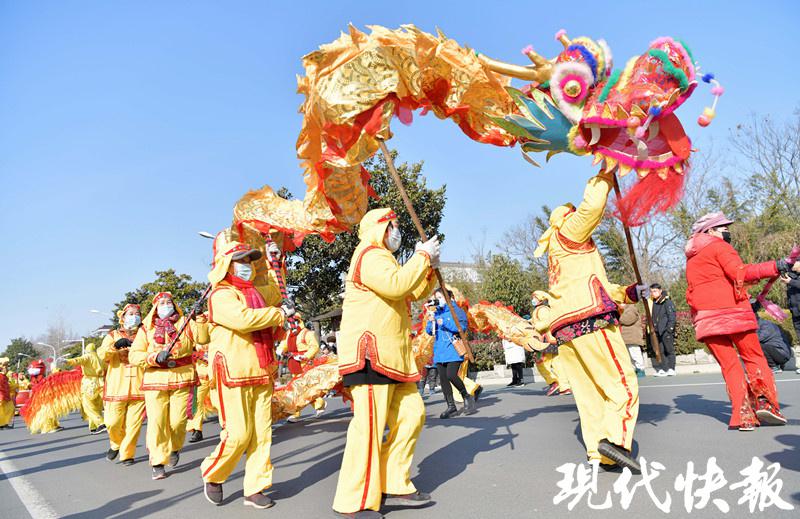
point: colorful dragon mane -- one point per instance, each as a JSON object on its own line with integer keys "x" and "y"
{"x": 572, "y": 103}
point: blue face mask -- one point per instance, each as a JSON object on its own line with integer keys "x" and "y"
{"x": 132, "y": 321}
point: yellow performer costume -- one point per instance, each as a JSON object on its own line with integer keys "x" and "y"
{"x": 243, "y": 318}
{"x": 91, "y": 387}
{"x": 582, "y": 316}
{"x": 123, "y": 397}
{"x": 472, "y": 387}
{"x": 7, "y": 392}
{"x": 166, "y": 385}
{"x": 195, "y": 425}
{"x": 376, "y": 360}
{"x": 302, "y": 343}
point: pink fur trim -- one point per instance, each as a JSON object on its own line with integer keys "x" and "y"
{"x": 638, "y": 164}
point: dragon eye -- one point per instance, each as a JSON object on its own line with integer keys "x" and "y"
{"x": 573, "y": 88}
{"x": 570, "y": 85}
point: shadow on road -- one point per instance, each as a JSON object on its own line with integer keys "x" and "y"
{"x": 57, "y": 464}
{"x": 789, "y": 458}
{"x": 117, "y": 506}
{"x": 696, "y": 404}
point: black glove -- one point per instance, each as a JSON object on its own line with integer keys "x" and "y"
{"x": 162, "y": 357}
{"x": 197, "y": 309}
{"x": 783, "y": 265}
{"x": 122, "y": 343}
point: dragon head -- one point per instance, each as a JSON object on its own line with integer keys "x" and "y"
{"x": 625, "y": 118}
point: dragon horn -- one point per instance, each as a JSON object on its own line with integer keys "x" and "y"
{"x": 540, "y": 72}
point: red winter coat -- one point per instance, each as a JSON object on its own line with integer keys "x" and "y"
{"x": 717, "y": 293}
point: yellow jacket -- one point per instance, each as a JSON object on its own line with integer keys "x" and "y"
{"x": 579, "y": 287}
{"x": 145, "y": 349}
{"x": 231, "y": 323}
{"x": 376, "y": 320}
{"x": 232, "y": 353}
{"x": 123, "y": 380}
{"x": 92, "y": 368}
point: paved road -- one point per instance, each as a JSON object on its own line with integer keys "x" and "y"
{"x": 499, "y": 463}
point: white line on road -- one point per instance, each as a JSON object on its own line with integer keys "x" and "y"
{"x": 713, "y": 383}
{"x": 31, "y": 499}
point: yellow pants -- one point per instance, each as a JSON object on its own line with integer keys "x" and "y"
{"x": 372, "y": 467}
{"x": 124, "y": 422}
{"x": 92, "y": 405}
{"x": 6, "y": 412}
{"x": 605, "y": 388}
{"x": 50, "y": 425}
{"x": 470, "y": 385}
{"x": 245, "y": 414}
{"x": 550, "y": 368}
{"x": 166, "y": 422}
{"x": 203, "y": 390}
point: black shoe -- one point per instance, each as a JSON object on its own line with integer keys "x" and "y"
{"x": 619, "y": 455}
{"x": 174, "y": 458}
{"x": 213, "y": 492}
{"x": 98, "y": 430}
{"x": 362, "y": 514}
{"x": 416, "y": 499}
{"x": 612, "y": 468}
{"x": 128, "y": 462}
{"x": 259, "y": 501}
{"x": 450, "y": 411}
{"x": 159, "y": 472}
{"x": 469, "y": 405}
{"x": 196, "y": 436}
{"x": 478, "y": 392}
{"x": 111, "y": 454}
{"x": 512, "y": 383}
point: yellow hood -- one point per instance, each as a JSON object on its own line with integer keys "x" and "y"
{"x": 121, "y": 313}
{"x": 372, "y": 227}
{"x": 557, "y": 219}
{"x": 148, "y": 321}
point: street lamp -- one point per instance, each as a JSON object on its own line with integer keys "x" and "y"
{"x": 82, "y": 341}
{"x": 19, "y": 359}
{"x": 55, "y": 353}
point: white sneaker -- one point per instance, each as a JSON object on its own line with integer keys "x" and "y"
{"x": 319, "y": 413}
{"x": 671, "y": 373}
{"x": 798, "y": 371}
{"x": 661, "y": 373}
{"x": 294, "y": 419}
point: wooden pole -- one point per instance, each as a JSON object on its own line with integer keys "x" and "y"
{"x": 632, "y": 253}
{"x": 423, "y": 235}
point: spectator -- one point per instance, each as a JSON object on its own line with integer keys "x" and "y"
{"x": 428, "y": 378}
{"x": 663, "y": 311}
{"x": 775, "y": 343}
{"x": 515, "y": 359}
{"x": 792, "y": 281}
{"x": 633, "y": 334}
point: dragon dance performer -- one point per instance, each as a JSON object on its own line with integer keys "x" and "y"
{"x": 91, "y": 383}
{"x": 583, "y": 318}
{"x": 302, "y": 346}
{"x": 195, "y": 425}
{"x": 168, "y": 378}
{"x": 377, "y": 364}
{"x": 123, "y": 399}
{"x": 243, "y": 319}
{"x": 721, "y": 313}
{"x": 7, "y": 392}
{"x": 547, "y": 362}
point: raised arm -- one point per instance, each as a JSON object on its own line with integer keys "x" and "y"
{"x": 381, "y": 273}
{"x": 579, "y": 226}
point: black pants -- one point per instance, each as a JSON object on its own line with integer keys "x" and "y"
{"x": 516, "y": 372}
{"x": 666, "y": 344}
{"x": 448, "y": 374}
{"x": 776, "y": 357}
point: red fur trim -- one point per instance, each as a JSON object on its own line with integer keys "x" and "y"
{"x": 650, "y": 195}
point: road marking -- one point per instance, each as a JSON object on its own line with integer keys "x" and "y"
{"x": 714, "y": 383}
{"x": 33, "y": 501}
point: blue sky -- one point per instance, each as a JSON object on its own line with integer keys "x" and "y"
{"x": 125, "y": 127}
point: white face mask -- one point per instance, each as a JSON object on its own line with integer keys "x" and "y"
{"x": 394, "y": 239}
{"x": 165, "y": 311}
{"x": 243, "y": 271}
{"x": 442, "y": 301}
{"x": 132, "y": 321}
{"x": 34, "y": 371}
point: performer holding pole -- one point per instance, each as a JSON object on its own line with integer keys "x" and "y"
{"x": 583, "y": 318}
{"x": 243, "y": 318}
{"x": 377, "y": 364}
{"x": 166, "y": 357}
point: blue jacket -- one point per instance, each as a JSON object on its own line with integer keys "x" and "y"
{"x": 443, "y": 349}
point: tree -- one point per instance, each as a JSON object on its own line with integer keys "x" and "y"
{"x": 185, "y": 291}
{"x": 18, "y": 347}
{"x": 506, "y": 280}
{"x": 316, "y": 270}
